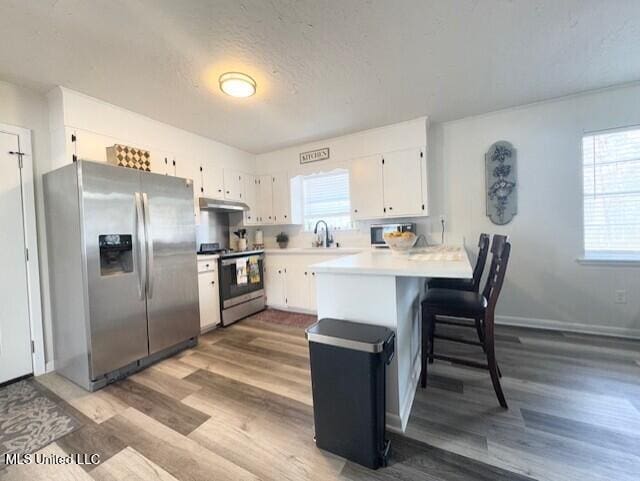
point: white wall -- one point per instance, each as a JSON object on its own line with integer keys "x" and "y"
{"x": 398, "y": 136}
{"x": 545, "y": 285}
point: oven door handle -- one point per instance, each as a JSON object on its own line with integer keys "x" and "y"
{"x": 231, "y": 261}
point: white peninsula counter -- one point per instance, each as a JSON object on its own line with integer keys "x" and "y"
{"x": 378, "y": 287}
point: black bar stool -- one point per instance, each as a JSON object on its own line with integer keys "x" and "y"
{"x": 472, "y": 284}
{"x": 468, "y": 305}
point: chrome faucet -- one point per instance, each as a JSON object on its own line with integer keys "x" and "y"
{"x": 328, "y": 240}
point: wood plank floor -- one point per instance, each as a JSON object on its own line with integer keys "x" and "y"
{"x": 238, "y": 406}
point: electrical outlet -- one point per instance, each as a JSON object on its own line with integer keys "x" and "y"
{"x": 621, "y": 296}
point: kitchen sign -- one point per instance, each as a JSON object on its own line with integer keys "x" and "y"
{"x": 314, "y": 155}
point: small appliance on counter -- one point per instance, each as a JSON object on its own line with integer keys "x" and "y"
{"x": 378, "y": 231}
{"x": 211, "y": 248}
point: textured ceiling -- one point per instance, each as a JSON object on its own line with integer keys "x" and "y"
{"x": 323, "y": 67}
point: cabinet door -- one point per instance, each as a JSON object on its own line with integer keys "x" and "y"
{"x": 212, "y": 181}
{"x": 297, "y": 283}
{"x": 189, "y": 169}
{"x": 274, "y": 282}
{"x": 251, "y": 199}
{"x": 265, "y": 199}
{"x": 312, "y": 304}
{"x": 281, "y": 199}
{"x": 163, "y": 163}
{"x": 92, "y": 146}
{"x": 367, "y": 191}
{"x": 209, "y": 299}
{"x": 402, "y": 183}
{"x": 233, "y": 185}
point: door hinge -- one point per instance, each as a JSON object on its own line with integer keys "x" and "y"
{"x": 421, "y": 153}
{"x": 200, "y": 168}
{"x": 73, "y": 137}
{"x": 74, "y": 158}
{"x": 273, "y": 179}
{"x": 384, "y": 209}
{"x": 26, "y": 253}
{"x": 422, "y": 206}
{"x": 382, "y": 160}
{"x": 174, "y": 163}
{"x": 33, "y": 347}
{"x": 286, "y": 300}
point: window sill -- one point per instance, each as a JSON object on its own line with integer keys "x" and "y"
{"x": 604, "y": 261}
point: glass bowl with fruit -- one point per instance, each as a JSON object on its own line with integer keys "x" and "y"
{"x": 400, "y": 242}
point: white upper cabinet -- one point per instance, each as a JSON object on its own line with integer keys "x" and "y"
{"x": 281, "y": 199}
{"x": 212, "y": 181}
{"x": 233, "y": 185}
{"x": 265, "y": 199}
{"x": 367, "y": 188}
{"x": 402, "y": 176}
{"x": 251, "y": 199}
{"x": 392, "y": 184}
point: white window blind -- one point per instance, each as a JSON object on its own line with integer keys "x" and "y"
{"x": 611, "y": 176}
{"x": 326, "y": 196}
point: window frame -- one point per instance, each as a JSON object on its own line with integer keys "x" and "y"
{"x": 343, "y": 170}
{"x": 600, "y": 258}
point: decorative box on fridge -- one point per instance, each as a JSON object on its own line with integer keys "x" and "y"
{"x": 125, "y": 156}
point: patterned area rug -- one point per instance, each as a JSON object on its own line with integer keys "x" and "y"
{"x": 30, "y": 419}
{"x": 285, "y": 318}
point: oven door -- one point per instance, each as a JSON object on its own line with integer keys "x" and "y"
{"x": 241, "y": 279}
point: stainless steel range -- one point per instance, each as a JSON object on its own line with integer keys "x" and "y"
{"x": 123, "y": 269}
{"x": 241, "y": 284}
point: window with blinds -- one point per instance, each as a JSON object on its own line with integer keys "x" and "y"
{"x": 326, "y": 196}
{"x": 611, "y": 177}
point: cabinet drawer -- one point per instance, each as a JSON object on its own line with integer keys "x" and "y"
{"x": 206, "y": 266}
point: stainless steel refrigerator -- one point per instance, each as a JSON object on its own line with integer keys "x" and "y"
{"x": 122, "y": 267}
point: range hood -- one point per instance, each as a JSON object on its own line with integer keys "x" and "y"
{"x": 221, "y": 205}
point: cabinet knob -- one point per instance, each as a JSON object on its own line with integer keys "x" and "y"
{"x": 213, "y": 282}
{"x": 305, "y": 273}
{"x": 206, "y": 265}
{"x": 313, "y": 273}
{"x": 227, "y": 192}
{"x": 355, "y": 210}
{"x": 219, "y": 190}
{"x": 390, "y": 208}
{"x": 279, "y": 272}
{"x": 285, "y": 216}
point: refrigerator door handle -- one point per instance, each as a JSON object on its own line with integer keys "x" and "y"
{"x": 141, "y": 251}
{"x": 149, "y": 244}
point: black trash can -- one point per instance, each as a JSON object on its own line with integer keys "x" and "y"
{"x": 348, "y": 363}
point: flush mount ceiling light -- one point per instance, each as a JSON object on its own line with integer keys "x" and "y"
{"x": 237, "y": 84}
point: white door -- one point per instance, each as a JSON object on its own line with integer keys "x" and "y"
{"x": 15, "y": 332}
{"x": 297, "y": 283}
{"x": 274, "y": 282}
{"x": 209, "y": 299}
{"x": 265, "y": 199}
{"x": 402, "y": 183}
{"x": 212, "y": 181}
{"x": 366, "y": 188}
{"x": 281, "y": 199}
{"x": 251, "y": 198}
{"x": 233, "y": 185}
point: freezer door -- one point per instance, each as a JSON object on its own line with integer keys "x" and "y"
{"x": 172, "y": 286}
{"x": 111, "y": 210}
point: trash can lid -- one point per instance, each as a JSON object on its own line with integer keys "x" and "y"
{"x": 350, "y": 335}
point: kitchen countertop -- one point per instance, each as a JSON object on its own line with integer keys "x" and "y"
{"x": 317, "y": 250}
{"x": 207, "y": 257}
{"x": 450, "y": 261}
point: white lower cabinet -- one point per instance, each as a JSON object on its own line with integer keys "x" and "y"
{"x": 209, "y": 295}
{"x": 290, "y": 283}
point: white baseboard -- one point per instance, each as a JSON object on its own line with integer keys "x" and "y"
{"x": 49, "y": 366}
{"x": 554, "y": 325}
